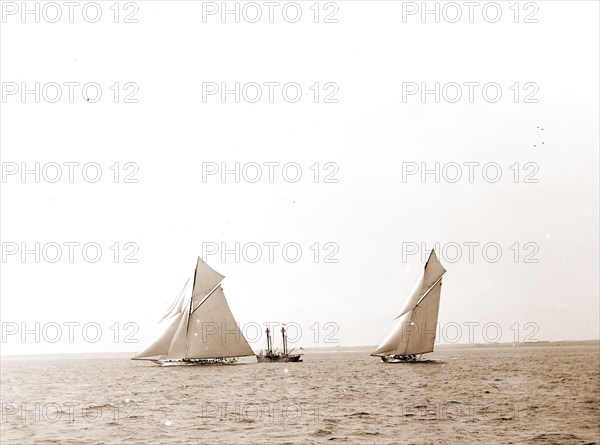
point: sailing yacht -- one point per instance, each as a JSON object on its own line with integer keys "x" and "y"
{"x": 415, "y": 330}
{"x": 198, "y": 328}
{"x": 273, "y": 356}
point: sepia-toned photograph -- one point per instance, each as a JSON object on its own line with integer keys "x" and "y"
{"x": 299, "y": 222}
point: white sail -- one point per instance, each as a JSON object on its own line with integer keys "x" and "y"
{"x": 433, "y": 270}
{"x": 167, "y": 326}
{"x": 205, "y": 280}
{"x": 431, "y": 273}
{"x": 418, "y": 333}
{"x": 177, "y": 349}
{"x": 415, "y": 331}
{"x": 213, "y": 331}
{"x": 177, "y": 305}
{"x": 390, "y": 344}
{"x": 413, "y": 298}
{"x": 198, "y": 324}
{"x": 162, "y": 342}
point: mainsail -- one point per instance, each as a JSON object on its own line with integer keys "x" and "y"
{"x": 199, "y": 323}
{"x": 415, "y": 331}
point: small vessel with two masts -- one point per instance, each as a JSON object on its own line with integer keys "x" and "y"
{"x": 272, "y": 356}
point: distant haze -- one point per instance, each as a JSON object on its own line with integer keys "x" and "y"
{"x": 545, "y": 285}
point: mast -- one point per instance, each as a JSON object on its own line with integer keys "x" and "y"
{"x": 269, "y": 351}
{"x": 284, "y": 340}
{"x": 187, "y": 328}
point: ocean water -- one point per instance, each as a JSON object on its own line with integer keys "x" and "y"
{"x": 522, "y": 395}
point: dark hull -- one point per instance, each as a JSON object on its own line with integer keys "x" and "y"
{"x": 278, "y": 358}
{"x": 403, "y": 359}
{"x": 197, "y": 362}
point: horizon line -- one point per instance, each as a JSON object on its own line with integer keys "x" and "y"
{"x": 315, "y": 348}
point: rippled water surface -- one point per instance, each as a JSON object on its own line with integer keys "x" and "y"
{"x": 537, "y": 395}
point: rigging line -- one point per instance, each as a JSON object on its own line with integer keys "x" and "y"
{"x": 205, "y": 298}
{"x": 187, "y": 328}
{"x": 424, "y": 295}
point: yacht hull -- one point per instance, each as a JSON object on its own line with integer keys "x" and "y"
{"x": 403, "y": 359}
{"x": 196, "y": 362}
{"x": 278, "y": 358}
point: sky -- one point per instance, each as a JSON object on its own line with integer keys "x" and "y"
{"x": 512, "y": 209}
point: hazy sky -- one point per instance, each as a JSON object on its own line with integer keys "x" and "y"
{"x": 544, "y": 221}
